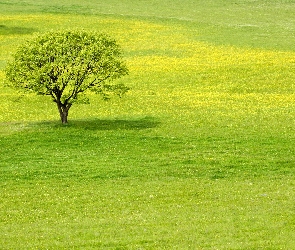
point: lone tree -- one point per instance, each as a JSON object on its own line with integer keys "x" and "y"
{"x": 64, "y": 65}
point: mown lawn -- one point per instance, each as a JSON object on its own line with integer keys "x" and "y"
{"x": 200, "y": 154}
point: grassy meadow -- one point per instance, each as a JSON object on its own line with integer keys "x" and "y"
{"x": 199, "y": 154}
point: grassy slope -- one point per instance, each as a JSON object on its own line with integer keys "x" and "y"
{"x": 200, "y": 154}
{"x": 267, "y": 24}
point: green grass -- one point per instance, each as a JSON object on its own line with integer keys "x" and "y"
{"x": 112, "y": 184}
{"x": 200, "y": 154}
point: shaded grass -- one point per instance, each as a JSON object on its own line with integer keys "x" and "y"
{"x": 4, "y": 30}
{"x": 122, "y": 148}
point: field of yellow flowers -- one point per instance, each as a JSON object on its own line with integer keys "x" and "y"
{"x": 171, "y": 73}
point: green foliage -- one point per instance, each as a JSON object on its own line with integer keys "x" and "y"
{"x": 66, "y": 64}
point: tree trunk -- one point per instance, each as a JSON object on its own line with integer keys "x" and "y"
{"x": 63, "y": 112}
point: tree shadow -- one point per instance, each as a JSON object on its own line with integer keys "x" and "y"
{"x": 15, "y": 30}
{"x": 115, "y": 124}
{"x": 7, "y": 128}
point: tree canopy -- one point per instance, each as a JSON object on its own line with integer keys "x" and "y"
{"x": 64, "y": 65}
